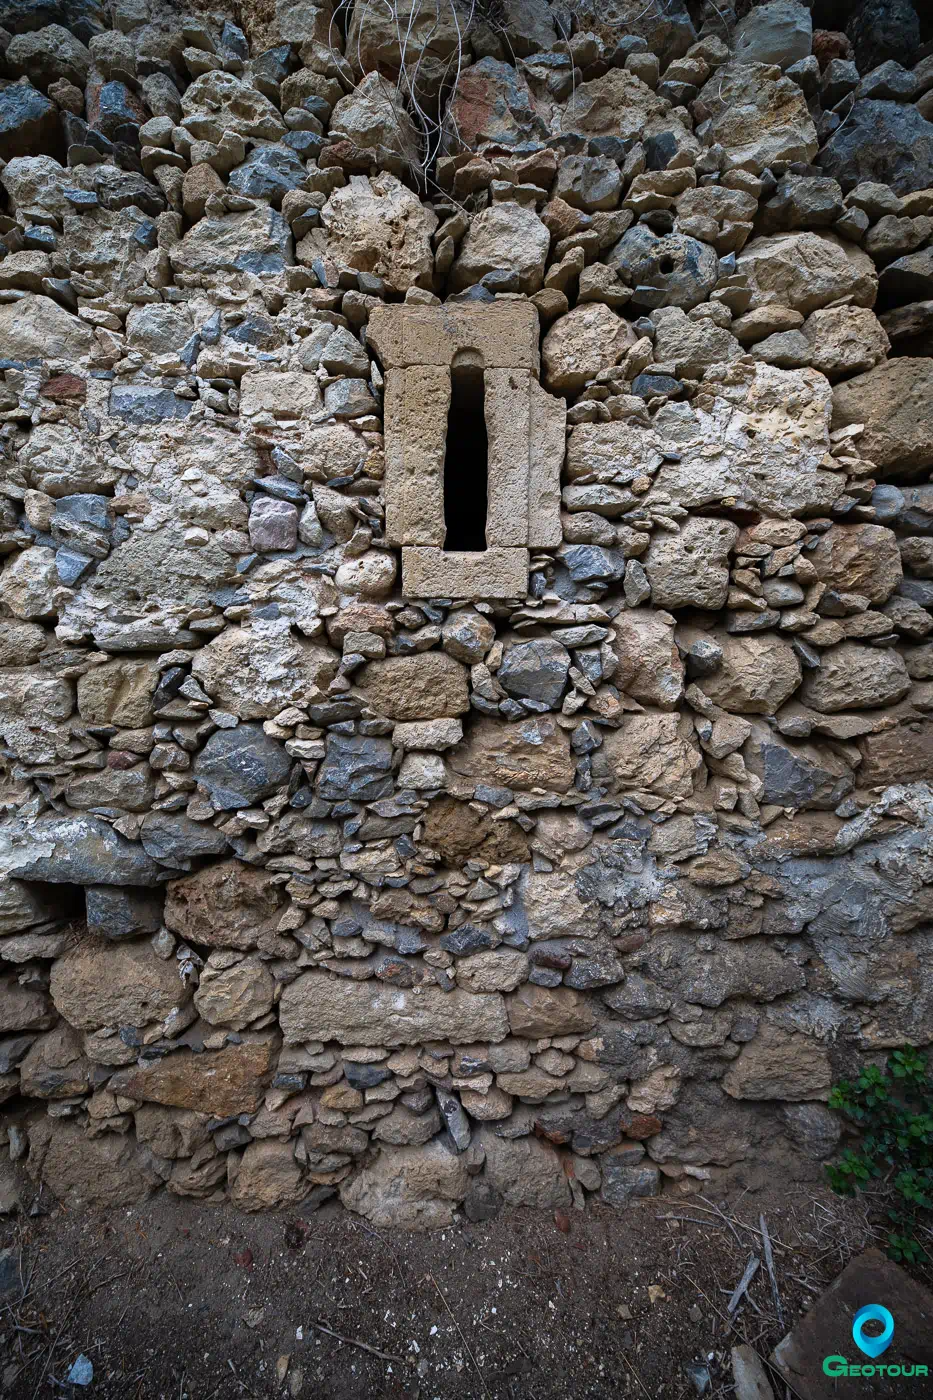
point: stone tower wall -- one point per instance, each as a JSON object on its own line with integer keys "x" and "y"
{"x": 335, "y": 860}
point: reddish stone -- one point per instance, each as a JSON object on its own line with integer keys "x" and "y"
{"x": 119, "y": 758}
{"x": 64, "y": 386}
{"x": 642, "y": 1125}
{"x": 829, "y": 44}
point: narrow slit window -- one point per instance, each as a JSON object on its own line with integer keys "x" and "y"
{"x": 466, "y": 462}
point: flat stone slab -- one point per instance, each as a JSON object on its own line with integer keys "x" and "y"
{"x": 826, "y": 1332}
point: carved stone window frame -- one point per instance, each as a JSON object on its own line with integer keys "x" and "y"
{"x": 419, "y": 346}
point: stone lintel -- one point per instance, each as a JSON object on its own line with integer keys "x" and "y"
{"x": 504, "y": 333}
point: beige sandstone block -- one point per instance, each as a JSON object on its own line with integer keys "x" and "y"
{"x": 505, "y": 334}
{"x": 490, "y": 573}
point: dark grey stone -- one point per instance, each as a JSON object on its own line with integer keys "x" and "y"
{"x": 355, "y": 768}
{"x": 144, "y": 404}
{"x": 672, "y": 270}
{"x": 467, "y": 939}
{"x": 887, "y": 143}
{"x": 883, "y": 29}
{"x": 174, "y": 839}
{"x": 268, "y": 172}
{"x": 623, "y": 1182}
{"x": 118, "y": 913}
{"x": 29, "y": 124}
{"x": 536, "y": 670}
{"x": 483, "y": 1202}
{"x": 648, "y": 386}
{"x": 240, "y": 766}
{"x": 76, "y": 850}
{"x": 71, "y": 565}
{"x": 590, "y": 563}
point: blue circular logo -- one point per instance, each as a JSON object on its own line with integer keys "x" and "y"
{"x": 872, "y": 1346}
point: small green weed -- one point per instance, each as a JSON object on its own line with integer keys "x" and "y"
{"x": 893, "y": 1112}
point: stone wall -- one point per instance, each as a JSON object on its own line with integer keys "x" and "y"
{"x": 585, "y": 883}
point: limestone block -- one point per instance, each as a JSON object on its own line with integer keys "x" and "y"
{"x": 417, "y": 402}
{"x": 504, "y": 334}
{"x": 317, "y": 1006}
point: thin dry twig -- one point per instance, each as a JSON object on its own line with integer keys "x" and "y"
{"x": 363, "y": 1346}
{"x": 463, "y": 1339}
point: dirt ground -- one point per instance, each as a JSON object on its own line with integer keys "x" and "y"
{"x": 175, "y": 1300}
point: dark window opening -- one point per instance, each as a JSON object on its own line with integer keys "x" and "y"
{"x": 466, "y": 464}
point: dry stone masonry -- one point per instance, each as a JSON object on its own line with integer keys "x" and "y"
{"x": 466, "y": 593}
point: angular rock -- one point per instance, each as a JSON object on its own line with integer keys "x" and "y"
{"x": 429, "y": 686}
{"x": 780, "y": 32}
{"x": 268, "y": 1178}
{"x": 859, "y": 559}
{"x": 240, "y": 766}
{"x": 37, "y": 327}
{"x": 222, "y": 1083}
{"x": 578, "y": 345}
{"x": 97, "y": 983}
{"x": 504, "y": 237}
{"x": 376, "y": 226}
{"x": 650, "y": 753}
{"x": 650, "y": 668}
{"x": 536, "y": 670}
{"x": 217, "y": 102}
{"x": 894, "y": 402}
{"x": 415, "y": 1188}
{"x": 758, "y": 118}
{"x": 758, "y": 673}
{"x": 691, "y": 568}
{"x": 75, "y": 851}
{"x": 780, "y": 1064}
{"x": 255, "y": 672}
{"x": 29, "y": 122}
{"x": 106, "y": 1171}
{"x": 532, "y": 753}
{"x": 854, "y": 677}
{"x": 667, "y": 270}
{"x": 806, "y": 271}
{"x": 886, "y": 143}
{"x": 355, "y": 768}
{"x": 524, "y": 1171}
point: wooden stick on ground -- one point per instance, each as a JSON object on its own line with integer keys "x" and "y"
{"x": 751, "y": 1269}
{"x": 363, "y": 1346}
{"x": 769, "y": 1265}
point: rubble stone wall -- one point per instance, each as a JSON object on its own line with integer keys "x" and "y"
{"x": 578, "y": 866}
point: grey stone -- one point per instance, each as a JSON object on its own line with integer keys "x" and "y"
{"x": 240, "y": 766}
{"x": 813, "y": 1127}
{"x": 268, "y": 172}
{"x": 74, "y": 850}
{"x": 273, "y": 525}
{"x": 536, "y": 670}
{"x": 884, "y": 29}
{"x": 887, "y": 143}
{"x": 355, "y": 767}
{"x": 29, "y": 124}
{"x": 173, "y": 839}
{"x": 144, "y": 404}
{"x": 672, "y": 270}
{"x": 625, "y": 1181}
{"x": 122, "y": 913}
{"x": 588, "y": 563}
{"x": 780, "y": 32}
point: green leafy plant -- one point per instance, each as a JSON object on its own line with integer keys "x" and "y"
{"x": 893, "y": 1112}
